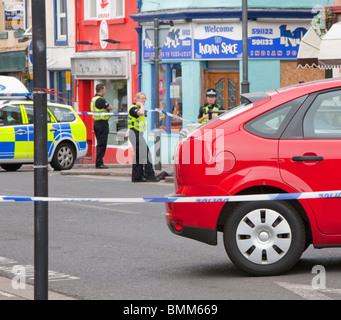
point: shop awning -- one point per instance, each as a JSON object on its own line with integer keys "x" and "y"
{"x": 330, "y": 48}
{"x": 308, "y": 52}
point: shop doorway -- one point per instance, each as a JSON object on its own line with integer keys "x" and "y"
{"x": 116, "y": 95}
{"x": 227, "y": 85}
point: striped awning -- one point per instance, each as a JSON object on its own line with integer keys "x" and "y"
{"x": 309, "y": 50}
{"x": 330, "y": 48}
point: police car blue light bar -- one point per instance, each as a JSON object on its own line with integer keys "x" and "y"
{"x": 15, "y": 94}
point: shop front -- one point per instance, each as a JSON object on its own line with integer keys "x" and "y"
{"x": 207, "y": 53}
{"x": 13, "y": 63}
{"x": 112, "y": 69}
{"x": 107, "y": 50}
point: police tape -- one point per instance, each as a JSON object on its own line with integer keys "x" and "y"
{"x": 126, "y": 114}
{"x": 104, "y": 113}
{"x": 182, "y": 199}
{"x": 171, "y": 115}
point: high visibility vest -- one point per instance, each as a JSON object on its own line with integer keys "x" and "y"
{"x": 212, "y": 110}
{"x": 139, "y": 123}
{"x": 97, "y": 115}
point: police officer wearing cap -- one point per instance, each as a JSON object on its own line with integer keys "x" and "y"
{"x": 209, "y": 107}
{"x": 142, "y": 170}
{"x": 101, "y": 127}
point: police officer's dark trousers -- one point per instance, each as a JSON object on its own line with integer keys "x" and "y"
{"x": 142, "y": 157}
{"x": 101, "y": 129}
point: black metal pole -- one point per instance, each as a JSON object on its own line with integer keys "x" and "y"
{"x": 157, "y": 131}
{"x": 40, "y": 151}
{"x": 245, "y": 82}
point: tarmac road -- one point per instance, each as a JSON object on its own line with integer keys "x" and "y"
{"x": 110, "y": 251}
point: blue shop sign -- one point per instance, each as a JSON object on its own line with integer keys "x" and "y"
{"x": 214, "y": 41}
{"x": 178, "y": 44}
{"x": 278, "y": 40}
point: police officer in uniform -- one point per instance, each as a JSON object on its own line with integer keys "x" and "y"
{"x": 142, "y": 170}
{"x": 211, "y": 105}
{"x": 101, "y": 127}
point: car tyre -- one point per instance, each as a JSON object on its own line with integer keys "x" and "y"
{"x": 11, "y": 166}
{"x": 264, "y": 238}
{"x": 64, "y": 157}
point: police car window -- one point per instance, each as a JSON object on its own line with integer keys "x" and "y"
{"x": 62, "y": 114}
{"x": 323, "y": 119}
{"x": 30, "y": 114}
{"x": 11, "y": 116}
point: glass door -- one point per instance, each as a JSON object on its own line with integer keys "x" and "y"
{"x": 116, "y": 95}
{"x": 227, "y": 85}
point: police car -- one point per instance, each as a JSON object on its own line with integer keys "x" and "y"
{"x": 66, "y": 130}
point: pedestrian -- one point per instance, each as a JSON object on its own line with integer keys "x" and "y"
{"x": 101, "y": 127}
{"x": 142, "y": 170}
{"x": 209, "y": 107}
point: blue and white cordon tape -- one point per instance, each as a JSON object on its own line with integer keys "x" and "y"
{"x": 104, "y": 113}
{"x": 126, "y": 113}
{"x": 255, "y": 197}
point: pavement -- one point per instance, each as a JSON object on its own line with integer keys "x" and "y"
{"x": 10, "y": 290}
{"x": 120, "y": 170}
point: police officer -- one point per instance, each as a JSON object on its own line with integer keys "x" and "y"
{"x": 101, "y": 127}
{"x": 142, "y": 170}
{"x": 211, "y": 97}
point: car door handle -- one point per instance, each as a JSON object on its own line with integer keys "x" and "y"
{"x": 53, "y": 129}
{"x": 307, "y": 158}
{"x": 21, "y": 131}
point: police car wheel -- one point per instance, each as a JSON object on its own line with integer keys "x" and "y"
{"x": 64, "y": 157}
{"x": 11, "y": 166}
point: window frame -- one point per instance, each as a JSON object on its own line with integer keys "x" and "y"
{"x": 60, "y": 40}
{"x": 311, "y": 114}
{"x": 295, "y": 106}
{"x": 12, "y": 108}
{"x": 113, "y": 15}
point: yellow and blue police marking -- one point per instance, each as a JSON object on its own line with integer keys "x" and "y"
{"x": 17, "y": 142}
{"x": 175, "y": 199}
{"x": 13, "y": 143}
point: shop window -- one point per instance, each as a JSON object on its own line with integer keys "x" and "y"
{"x": 170, "y": 93}
{"x": 116, "y": 95}
{"x": 61, "y": 83}
{"x": 92, "y": 8}
{"x": 60, "y": 22}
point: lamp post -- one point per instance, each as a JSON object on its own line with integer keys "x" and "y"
{"x": 159, "y": 36}
{"x": 245, "y": 82}
{"x": 40, "y": 151}
{"x": 157, "y": 130}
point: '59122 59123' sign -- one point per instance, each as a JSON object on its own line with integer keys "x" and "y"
{"x": 277, "y": 40}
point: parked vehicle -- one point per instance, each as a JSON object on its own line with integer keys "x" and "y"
{"x": 66, "y": 130}
{"x": 282, "y": 141}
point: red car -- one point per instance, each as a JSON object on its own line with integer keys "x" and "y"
{"x": 285, "y": 141}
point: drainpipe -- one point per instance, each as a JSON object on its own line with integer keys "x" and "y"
{"x": 139, "y": 5}
{"x": 139, "y": 41}
{"x": 139, "y": 63}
